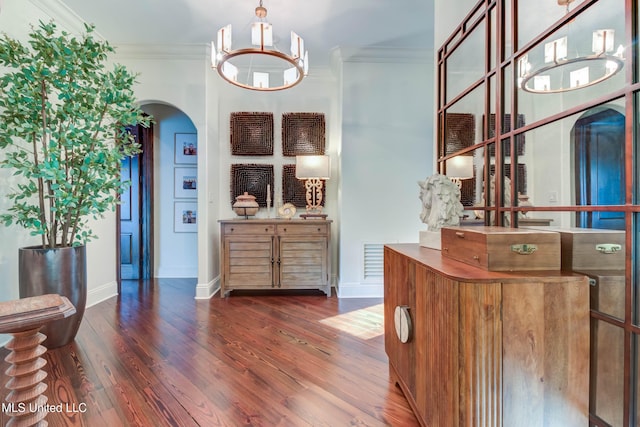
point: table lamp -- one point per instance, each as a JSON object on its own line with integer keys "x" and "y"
{"x": 459, "y": 168}
{"x": 313, "y": 169}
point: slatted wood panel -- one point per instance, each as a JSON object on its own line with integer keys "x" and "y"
{"x": 302, "y": 261}
{"x": 481, "y": 334}
{"x": 249, "y": 261}
{"x": 155, "y": 356}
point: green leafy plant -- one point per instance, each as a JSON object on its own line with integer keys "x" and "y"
{"x": 63, "y": 130}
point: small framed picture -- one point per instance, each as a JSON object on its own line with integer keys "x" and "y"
{"x": 185, "y": 182}
{"x": 185, "y": 217}
{"x": 186, "y": 148}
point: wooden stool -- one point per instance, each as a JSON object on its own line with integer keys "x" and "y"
{"x": 23, "y": 319}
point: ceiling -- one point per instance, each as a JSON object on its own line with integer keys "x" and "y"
{"x": 323, "y": 24}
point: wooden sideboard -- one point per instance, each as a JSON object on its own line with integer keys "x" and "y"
{"x": 487, "y": 348}
{"x": 261, "y": 254}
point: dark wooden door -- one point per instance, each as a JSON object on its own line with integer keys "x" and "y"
{"x": 599, "y": 142}
{"x": 130, "y": 221}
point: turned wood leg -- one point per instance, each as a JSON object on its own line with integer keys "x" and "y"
{"x": 26, "y": 403}
{"x": 26, "y": 399}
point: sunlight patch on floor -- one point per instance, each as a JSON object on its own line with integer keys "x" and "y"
{"x": 365, "y": 323}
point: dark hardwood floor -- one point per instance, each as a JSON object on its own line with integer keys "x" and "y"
{"x": 155, "y": 356}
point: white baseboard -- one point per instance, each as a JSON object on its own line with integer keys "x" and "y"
{"x": 177, "y": 272}
{"x": 207, "y": 290}
{"x": 102, "y": 293}
{"x": 360, "y": 290}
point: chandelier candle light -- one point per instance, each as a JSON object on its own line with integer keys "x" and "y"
{"x": 562, "y": 72}
{"x": 268, "y": 61}
{"x": 313, "y": 169}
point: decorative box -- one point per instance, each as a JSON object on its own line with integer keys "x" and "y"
{"x": 592, "y": 249}
{"x": 501, "y": 248}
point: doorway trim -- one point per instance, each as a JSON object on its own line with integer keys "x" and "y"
{"x": 145, "y": 138}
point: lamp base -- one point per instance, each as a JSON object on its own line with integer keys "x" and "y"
{"x": 312, "y": 215}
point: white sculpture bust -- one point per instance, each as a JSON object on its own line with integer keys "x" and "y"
{"x": 441, "y": 207}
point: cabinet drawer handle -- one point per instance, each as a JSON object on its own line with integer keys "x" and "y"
{"x": 460, "y": 234}
{"x": 318, "y": 228}
{"x": 266, "y": 229}
{"x": 476, "y": 257}
{"x": 285, "y": 230}
{"x": 608, "y": 248}
{"x": 524, "y": 249}
{"x": 232, "y": 229}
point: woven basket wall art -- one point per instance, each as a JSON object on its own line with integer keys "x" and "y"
{"x": 253, "y": 179}
{"x": 251, "y": 134}
{"x": 303, "y": 133}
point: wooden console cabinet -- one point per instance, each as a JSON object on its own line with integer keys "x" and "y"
{"x": 261, "y": 254}
{"x": 487, "y": 348}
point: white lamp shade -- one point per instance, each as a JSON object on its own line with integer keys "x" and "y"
{"x": 260, "y": 80}
{"x": 290, "y": 75}
{"x": 312, "y": 167}
{"x": 555, "y": 50}
{"x": 297, "y": 45}
{"x": 230, "y": 70}
{"x": 261, "y": 34}
{"x": 224, "y": 39}
{"x": 460, "y": 167}
{"x": 602, "y": 41}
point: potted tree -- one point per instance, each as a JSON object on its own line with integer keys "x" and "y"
{"x": 63, "y": 132}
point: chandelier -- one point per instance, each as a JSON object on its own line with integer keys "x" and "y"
{"x": 260, "y": 68}
{"x": 562, "y": 73}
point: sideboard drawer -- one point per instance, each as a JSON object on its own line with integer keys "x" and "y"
{"x": 248, "y": 229}
{"x": 302, "y": 229}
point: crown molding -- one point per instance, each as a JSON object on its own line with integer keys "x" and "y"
{"x": 163, "y": 51}
{"x": 381, "y": 55}
{"x": 64, "y": 16}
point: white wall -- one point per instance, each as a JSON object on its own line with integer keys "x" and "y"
{"x": 386, "y": 148}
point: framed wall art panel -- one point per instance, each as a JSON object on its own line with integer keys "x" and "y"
{"x": 251, "y": 134}
{"x": 185, "y": 217}
{"x": 185, "y": 183}
{"x": 460, "y": 132}
{"x": 303, "y": 133}
{"x": 186, "y": 148}
{"x": 253, "y": 179}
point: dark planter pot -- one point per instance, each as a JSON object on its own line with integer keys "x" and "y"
{"x": 60, "y": 271}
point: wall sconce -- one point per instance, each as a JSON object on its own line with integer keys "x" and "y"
{"x": 459, "y": 168}
{"x": 313, "y": 169}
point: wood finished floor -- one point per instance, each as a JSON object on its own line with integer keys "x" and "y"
{"x": 155, "y": 356}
